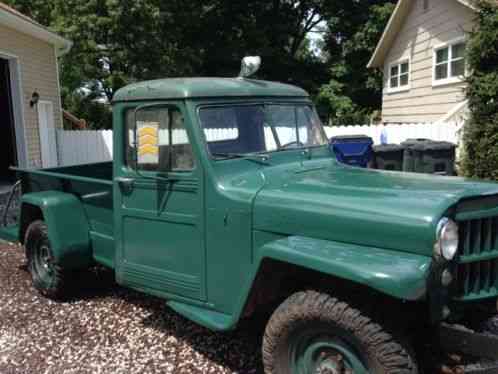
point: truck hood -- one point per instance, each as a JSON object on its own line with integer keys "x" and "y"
{"x": 381, "y": 209}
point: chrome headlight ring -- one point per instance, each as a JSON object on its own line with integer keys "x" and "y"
{"x": 446, "y": 245}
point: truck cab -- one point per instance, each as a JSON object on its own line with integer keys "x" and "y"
{"x": 225, "y": 199}
{"x": 195, "y": 176}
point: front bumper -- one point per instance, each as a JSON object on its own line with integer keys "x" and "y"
{"x": 457, "y": 339}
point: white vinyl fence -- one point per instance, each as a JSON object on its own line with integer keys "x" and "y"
{"x": 87, "y": 146}
{"x": 84, "y": 146}
{"x": 396, "y": 134}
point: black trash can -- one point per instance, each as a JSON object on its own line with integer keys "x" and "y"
{"x": 412, "y": 152}
{"x": 427, "y": 156}
{"x": 389, "y": 157}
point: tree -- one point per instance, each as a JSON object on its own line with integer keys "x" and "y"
{"x": 481, "y": 130}
{"x": 117, "y": 42}
{"x": 354, "y": 91}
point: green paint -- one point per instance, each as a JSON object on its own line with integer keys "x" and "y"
{"x": 198, "y": 238}
{"x": 182, "y": 88}
{"x": 402, "y": 275}
{"x": 67, "y": 224}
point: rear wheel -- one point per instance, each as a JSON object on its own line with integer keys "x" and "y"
{"x": 49, "y": 278}
{"x": 312, "y": 332}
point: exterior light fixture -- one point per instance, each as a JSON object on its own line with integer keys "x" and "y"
{"x": 35, "y": 97}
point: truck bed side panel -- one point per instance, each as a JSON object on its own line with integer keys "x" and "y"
{"x": 92, "y": 184}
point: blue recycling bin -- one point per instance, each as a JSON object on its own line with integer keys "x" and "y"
{"x": 354, "y": 150}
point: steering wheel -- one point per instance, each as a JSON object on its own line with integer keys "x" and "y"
{"x": 294, "y": 143}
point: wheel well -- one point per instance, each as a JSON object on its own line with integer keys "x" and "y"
{"x": 278, "y": 280}
{"x": 29, "y": 213}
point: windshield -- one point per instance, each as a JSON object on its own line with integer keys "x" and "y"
{"x": 246, "y": 129}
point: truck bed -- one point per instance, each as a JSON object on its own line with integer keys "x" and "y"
{"x": 92, "y": 184}
{"x": 98, "y": 172}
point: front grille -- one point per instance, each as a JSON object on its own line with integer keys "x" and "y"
{"x": 477, "y": 261}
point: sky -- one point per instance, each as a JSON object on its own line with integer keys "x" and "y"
{"x": 316, "y": 37}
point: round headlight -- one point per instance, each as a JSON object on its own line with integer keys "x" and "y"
{"x": 447, "y": 239}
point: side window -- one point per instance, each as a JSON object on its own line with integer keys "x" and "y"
{"x": 162, "y": 141}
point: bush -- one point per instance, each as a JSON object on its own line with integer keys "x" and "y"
{"x": 481, "y": 130}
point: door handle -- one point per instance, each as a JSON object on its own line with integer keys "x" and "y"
{"x": 126, "y": 183}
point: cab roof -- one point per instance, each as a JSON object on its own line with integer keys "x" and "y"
{"x": 181, "y": 88}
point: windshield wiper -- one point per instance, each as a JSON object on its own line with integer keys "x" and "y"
{"x": 260, "y": 158}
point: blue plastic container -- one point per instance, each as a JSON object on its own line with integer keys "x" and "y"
{"x": 354, "y": 150}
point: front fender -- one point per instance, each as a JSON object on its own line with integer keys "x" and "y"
{"x": 398, "y": 274}
{"x": 68, "y": 228}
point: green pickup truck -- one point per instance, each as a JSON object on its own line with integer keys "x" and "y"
{"x": 225, "y": 199}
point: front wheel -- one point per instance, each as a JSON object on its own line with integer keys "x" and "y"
{"x": 312, "y": 333}
{"x": 490, "y": 326}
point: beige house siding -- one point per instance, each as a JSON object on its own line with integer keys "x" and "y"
{"x": 443, "y": 22}
{"x": 38, "y": 72}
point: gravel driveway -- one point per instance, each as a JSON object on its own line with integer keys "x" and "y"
{"x": 108, "y": 329}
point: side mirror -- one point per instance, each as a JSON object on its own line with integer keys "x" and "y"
{"x": 146, "y": 138}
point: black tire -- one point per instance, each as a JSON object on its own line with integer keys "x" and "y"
{"x": 310, "y": 312}
{"x": 490, "y": 326}
{"x": 49, "y": 278}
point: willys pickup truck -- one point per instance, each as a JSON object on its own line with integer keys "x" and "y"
{"x": 225, "y": 199}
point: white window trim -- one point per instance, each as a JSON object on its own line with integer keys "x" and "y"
{"x": 399, "y": 63}
{"x": 450, "y": 79}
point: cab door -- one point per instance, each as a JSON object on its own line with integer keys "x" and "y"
{"x": 159, "y": 205}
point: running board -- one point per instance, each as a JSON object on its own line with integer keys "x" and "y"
{"x": 208, "y": 318}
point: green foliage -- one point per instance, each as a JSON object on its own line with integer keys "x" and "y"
{"x": 117, "y": 42}
{"x": 354, "y": 92}
{"x": 341, "y": 109}
{"x": 96, "y": 113}
{"x": 481, "y": 130}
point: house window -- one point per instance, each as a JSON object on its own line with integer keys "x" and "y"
{"x": 449, "y": 63}
{"x": 399, "y": 76}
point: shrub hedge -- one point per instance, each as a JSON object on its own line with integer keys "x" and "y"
{"x": 480, "y": 138}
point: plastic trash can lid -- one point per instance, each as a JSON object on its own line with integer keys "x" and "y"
{"x": 350, "y": 139}
{"x": 388, "y": 148}
{"x": 433, "y": 146}
{"x": 411, "y": 142}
